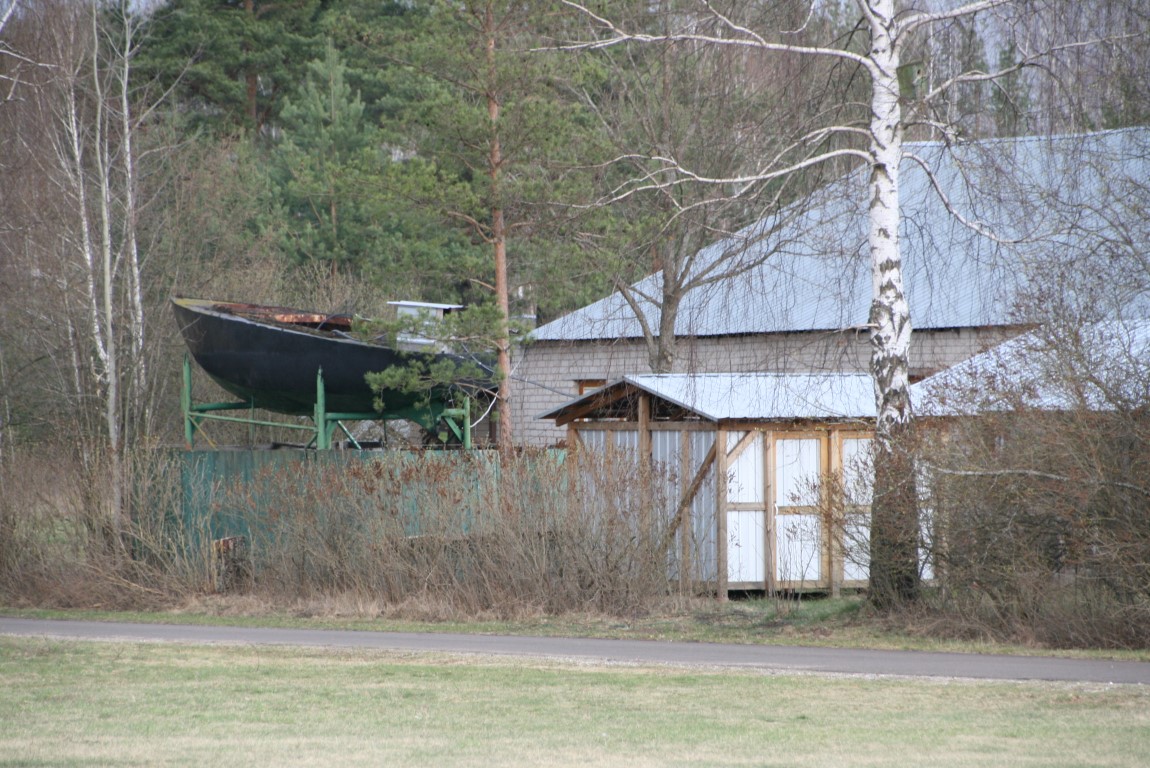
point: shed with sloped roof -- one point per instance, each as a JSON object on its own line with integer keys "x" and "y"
{"x": 769, "y": 471}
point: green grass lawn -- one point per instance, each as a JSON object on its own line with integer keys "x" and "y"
{"x": 98, "y": 703}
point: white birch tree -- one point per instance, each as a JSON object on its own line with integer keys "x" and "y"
{"x": 82, "y": 245}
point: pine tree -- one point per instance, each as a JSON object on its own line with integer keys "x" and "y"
{"x": 230, "y": 63}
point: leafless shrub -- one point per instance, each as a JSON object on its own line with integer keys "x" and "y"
{"x": 466, "y": 533}
{"x": 62, "y": 545}
{"x": 1044, "y": 512}
{"x": 439, "y": 535}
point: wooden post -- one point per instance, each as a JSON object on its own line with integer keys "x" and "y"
{"x": 833, "y": 502}
{"x": 721, "y": 590}
{"x": 769, "y": 509}
{"x": 685, "y": 513}
{"x": 644, "y": 427}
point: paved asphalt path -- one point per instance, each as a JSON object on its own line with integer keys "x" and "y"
{"x": 766, "y": 657}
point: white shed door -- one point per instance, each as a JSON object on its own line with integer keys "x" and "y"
{"x": 746, "y": 525}
{"x": 798, "y": 536}
{"x": 746, "y": 560}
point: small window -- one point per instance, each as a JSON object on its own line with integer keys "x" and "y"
{"x": 583, "y": 386}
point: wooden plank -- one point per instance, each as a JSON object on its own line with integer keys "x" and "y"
{"x": 741, "y": 446}
{"x": 721, "y": 587}
{"x": 682, "y": 512}
{"x": 835, "y": 517}
{"x": 769, "y": 509}
{"x": 681, "y": 426}
{"x": 607, "y": 426}
{"x": 654, "y": 426}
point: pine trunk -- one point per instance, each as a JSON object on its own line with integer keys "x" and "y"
{"x": 499, "y": 241}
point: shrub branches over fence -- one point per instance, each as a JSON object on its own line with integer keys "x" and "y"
{"x": 470, "y": 532}
{"x": 442, "y": 534}
{"x": 1035, "y": 459}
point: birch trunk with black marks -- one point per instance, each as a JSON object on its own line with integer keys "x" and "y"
{"x": 92, "y": 127}
{"x": 894, "y": 515}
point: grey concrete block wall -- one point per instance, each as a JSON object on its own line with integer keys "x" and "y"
{"x": 547, "y": 374}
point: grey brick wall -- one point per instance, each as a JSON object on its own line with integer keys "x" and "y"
{"x": 546, "y": 374}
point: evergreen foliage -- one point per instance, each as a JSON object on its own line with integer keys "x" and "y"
{"x": 230, "y": 63}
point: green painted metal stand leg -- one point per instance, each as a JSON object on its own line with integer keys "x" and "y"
{"x": 323, "y": 426}
{"x": 458, "y": 420}
{"x": 324, "y": 423}
{"x": 186, "y": 405}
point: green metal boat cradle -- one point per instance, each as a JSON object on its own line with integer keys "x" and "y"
{"x": 432, "y": 415}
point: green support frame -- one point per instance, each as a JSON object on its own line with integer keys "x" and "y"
{"x": 324, "y": 422}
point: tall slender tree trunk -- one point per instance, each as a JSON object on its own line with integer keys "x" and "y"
{"x": 894, "y": 515}
{"x": 111, "y": 374}
{"x": 251, "y": 78}
{"x": 135, "y": 400}
{"x": 5, "y": 413}
{"x": 5, "y": 406}
{"x": 135, "y": 415}
{"x": 499, "y": 240}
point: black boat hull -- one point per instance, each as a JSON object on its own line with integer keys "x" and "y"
{"x": 250, "y": 352}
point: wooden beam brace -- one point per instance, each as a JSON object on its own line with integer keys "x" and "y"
{"x": 600, "y": 399}
{"x": 681, "y": 512}
{"x": 741, "y": 445}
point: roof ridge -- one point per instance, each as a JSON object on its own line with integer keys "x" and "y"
{"x": 1029, "y": 138}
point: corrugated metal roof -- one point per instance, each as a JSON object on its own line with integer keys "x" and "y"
{"x": 1051, "y": 194}
{"x": 1100, "y": 366}
{"x": 751, "y": 396}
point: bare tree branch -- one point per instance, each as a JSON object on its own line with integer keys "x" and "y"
{"x": 1027, "y": 60}
{"x": 975, "y": 226}
{"x": 8, "y": 13}
{"x": 1035, "y": 474}
{"x": 618, "y": 36}
{"x": 917, "y": 19}
{"x": 686, "y": 176}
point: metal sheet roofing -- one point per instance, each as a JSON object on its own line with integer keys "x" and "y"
{"x": 1038, "y": 196}
{"x": 1099, "y": 366}
{"x": 751, "y": 396}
